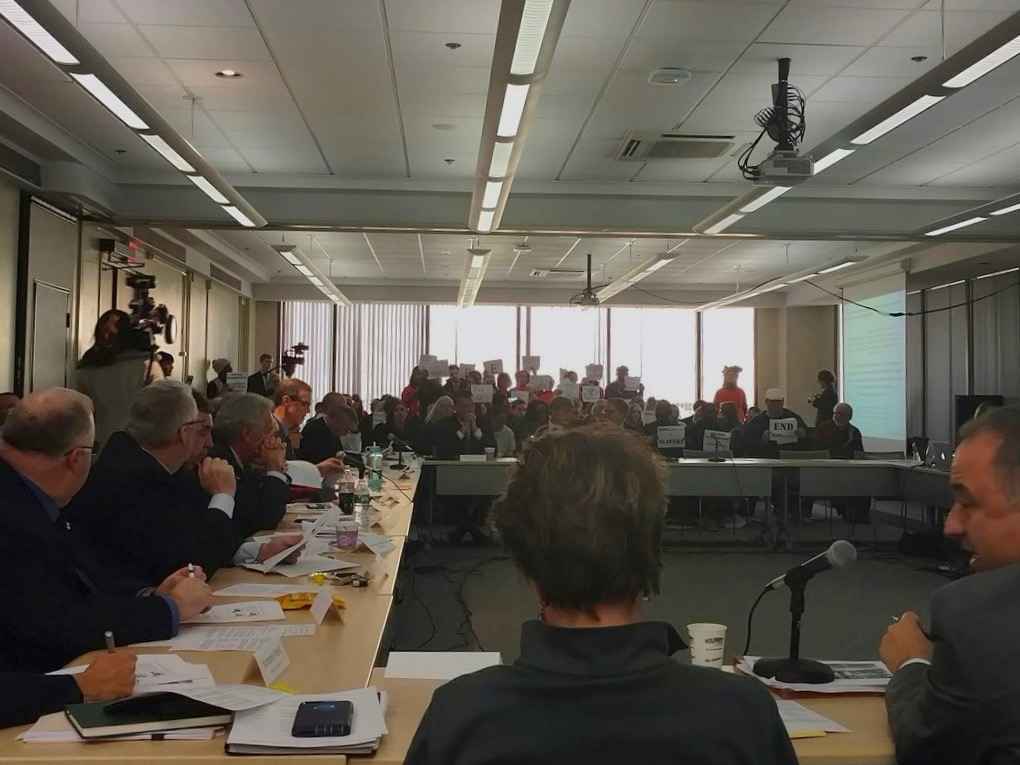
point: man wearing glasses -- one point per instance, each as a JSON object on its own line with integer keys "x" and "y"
{"x": 293, "y": 400}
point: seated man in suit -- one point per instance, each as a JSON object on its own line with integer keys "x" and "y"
{"x": 321, "y": 437}
{"x": 757, "y": 437}
{"x": 246, "y": 438}
{"x": 264, "y": 382}
{"x": 53, "y": 609}
{"x": 954, "y": 694}
{"x": 28, "y": 695}
{"x": 293, "y": 401}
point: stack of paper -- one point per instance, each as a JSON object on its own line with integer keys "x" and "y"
{"x": 802, "y": 722}
{"x": 160, "y": 672}
{"x": 851, "y": 677}
{"x": 267, "y": 730}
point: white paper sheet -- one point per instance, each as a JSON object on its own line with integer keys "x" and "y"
{"x": 439, "y": 665}
{"x": 797, "y": 717}
{"x": 308, "y": 564}
{"x": 235, "y": 698}
{"x": 210, "y": 638}
{"x": 236, "y": 613}
{"x": 304, "y": 474}
{"x": 252, "y": 590}
{"x": 160, "y": 672}
{"x": 272, "y": 660}
{"x": 377, "y": 543}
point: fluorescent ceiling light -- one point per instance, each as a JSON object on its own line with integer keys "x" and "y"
{"x": 485, "y": 220}
{"x": 43, "y": 40}
{"x": 111, "y": 101}
{"x": 994, "y": 59}
{"x": 1006, "y": 210}
{"x": 838, "y": 267}
{"x": 534, "y": 20}
{"x": 892, "y": 122}
{"x": 997, "y": 273}
{"x": 315, "y": 280}
{"x": 167, "y": 152}
{"x": 745, "y": 297}
{"x": 947, "y": 284}
{"x": 305, "y": 270}
{"x": 291, "y": 258}
{"x": 500, "y": 163}
{"x": 773, "y": 287}
{"x": 491, "y": 196}
{"x": 831, "y": 159}
{"x": 657, "y": 265}
{"x": 239, "y": 216}
{"x": 477, "y": 261}
{"x": 513, "y": 109}
{"x": 802, "y": 278}
{"x": 773, "y": 193}
{"x": 208, "y": 189}
{"x": 724, "y": 224}
{"x": 955, "y": 226}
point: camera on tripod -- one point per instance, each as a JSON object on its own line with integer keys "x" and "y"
{"x": 148, "y": 320}
{"x": 293, "y": 358}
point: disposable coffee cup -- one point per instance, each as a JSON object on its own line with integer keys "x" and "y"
{"x": 708, "y": 643}
{"x": 490, "y": 453}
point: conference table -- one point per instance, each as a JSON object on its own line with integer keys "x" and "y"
{"x": 342, "y": 654}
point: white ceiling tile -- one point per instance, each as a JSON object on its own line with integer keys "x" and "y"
{"x": 646, "y": 54}
{"x": 258, "y": 130}
{"x": 895, "y": 62}
{"x": 708, "y": 20}
{"x": 680, "y": 169}
{"x": 116, "y": 40}
{"x": 974, "y": 5}
{"x": 430, "y": 166}
{"x": 145, "y": 71}
{"x": 807, "y": 22}
{"x": 391, "y": 166}
{"x": 607, "y": 19}
{"x": 416, "y": 104}
{"x": 286, "y": 159}
{"x": 226, "y": 160}
{"x": 465, "y": 130}
{"x": 632, "y": 104}
{"x": 593, "y": 160}
{"x": 805, "y": 59}
{"x": 255, "y": 75}
{"x": 429, "y": 49}
{"x": 863, "y": 91}
{"x": 190, "y": 13}
{"x": 451, "y": 17}
{"x": 90, "y": 11}
{"x": 925, "y": 29}
{"x": 1001, "y": 169}
{"x": 204, "y": 134}
{"x": 213, "y": 43}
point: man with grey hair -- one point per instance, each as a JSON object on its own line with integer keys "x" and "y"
{"x": 140, "y": 511}
{"x": 54, "y": 607}
{"x": 955, "y": 693}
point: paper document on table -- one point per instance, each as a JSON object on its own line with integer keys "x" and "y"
{"x": 253, "y": 590}
{"x": 851, "y": 677}
{"x": 160, "y": 672}
{"x": 249, "y": 611}
{"x": 268, "y": 729}
{"x": 209, "y": 638}
{"x": 307, "y": 532}
{"x": 377, "y": 543}
{"x": 439, "y": 665}
{"x": 309, "y": 564}
{"x": 234, "y": 698}
{"x": 802, "y": 722}
{"x": 57, "y": 729}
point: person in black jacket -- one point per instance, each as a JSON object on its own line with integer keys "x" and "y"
{"x": 399, "y": 429}
{"x": 27, "y": 695}
{"x": 140, "y": 511}
{"x": 320, "y": 439}
{"x": 825, "y": 400}
{"x": 264, "y": 382}
{"x": 461, "y": 434}
{"x": 582, "y": 519}
{"x": 54, "y": 609}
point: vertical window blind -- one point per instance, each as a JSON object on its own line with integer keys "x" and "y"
{"x": 311, "y": 323}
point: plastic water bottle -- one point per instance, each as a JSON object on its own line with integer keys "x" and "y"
{"x": 362, "y": 503}
{"x": 375, "y": 469}
{"x": 347, "y": 492}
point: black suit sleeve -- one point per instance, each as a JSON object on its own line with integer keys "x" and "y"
{"x": 317, "y": 443}
{"x": 28, "y": 696}
{"x": 260, "y": 502}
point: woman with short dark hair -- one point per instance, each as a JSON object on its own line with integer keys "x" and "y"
{"x": 825, "y": 400}
{"x": 583, "y": 519}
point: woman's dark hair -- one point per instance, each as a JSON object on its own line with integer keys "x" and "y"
{"x": 390, "y": 407}
{"x": 583, "y": 516}
{"x": 104, "y": 350}
{"x": 826, "y": 377}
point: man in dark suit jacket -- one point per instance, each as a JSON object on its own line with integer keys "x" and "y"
{"x": 954, "y": 692}
{"x": 461, "y": 434}
{"x": 246, "y": 439}
{"x": 264, "y": 381}
{"x": 321, "y": 436}
{"x": 140, "y": 511}
{"x": 53, "y": 610}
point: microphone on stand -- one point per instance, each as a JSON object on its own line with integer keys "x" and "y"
{"x": 794, "y": 669}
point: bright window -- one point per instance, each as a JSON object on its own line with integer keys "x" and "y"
{"x": 657, "y": 345}
{"x": 473, "y": 335}
{"x": 727, "y": 339}
{"x": 568, "y": 337}
{"x": 311, "y": 323}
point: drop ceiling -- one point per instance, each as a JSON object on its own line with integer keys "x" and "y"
{"x": 366, "y": 115}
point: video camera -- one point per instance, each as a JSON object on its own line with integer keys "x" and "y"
{"x": 292, "y": 358}
{"x": 147, "y": 319}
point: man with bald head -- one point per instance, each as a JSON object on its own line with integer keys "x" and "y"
{"x": 955, "y": 692}
{"x": 53, "y": 608}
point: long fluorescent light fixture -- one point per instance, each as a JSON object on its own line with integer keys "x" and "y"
{"x": 804, "y": 278}
{"x": 491, "y": 197}
{"x": 474, "y": 274}
{"x": 239, "y": 216}
{"x": 838, "y": 267}
{"x": 955, "y": 226}
{"x": 993, "y": 60}
{"x": 305, "y": 270}
{"x": 831, "y": 159}
{"x": 771, "y": 288}
{"x": 21, "y": 20}
{"x": 110, "y": 100}
{"x": 510, "y": 116}
{"x": 291, "y": 258}
{"x": 208, "y": 189}
{"x": 168, "y": 153}
{"x": 501, "y": 151}
{"x": 1006, "y": 210}
{"x": 316, "y": 278}
{"x": 725, "y": 223}
{"x": 997, "y": 273}
{"x": 534, "y": 21}
{"x": 893, "y": 121}
{"x": 774, "y": 193}
{"x": 485, "y": 221}
{"x": 636, "y": 274}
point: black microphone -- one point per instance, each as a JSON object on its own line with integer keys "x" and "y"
{"x": 839, "y": 554}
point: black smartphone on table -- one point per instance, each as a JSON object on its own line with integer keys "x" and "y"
{"x": 323, "y": 718}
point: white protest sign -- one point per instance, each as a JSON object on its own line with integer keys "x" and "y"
{"x": 522, "y": 395}
{"x": 569, "y": 390}
{"x": 271, "y": 659}
{"x": 466, "y": 369}
{"x": 481, "y": 394}
{"x": 671, "y": 436}
{"x": 564, "y": 373}
{"x": 531, "y": 363}
{"x": 717, "y": 441}
{"x": 439, "y": 368}
{"x": 593, "y": 371}
{"x": 632, "y": 383}
{"x": 783, "y": 431}
{"x": 590, "y": 393}
{"x": 237, "y": 382}
{"x": 493, "y": 367}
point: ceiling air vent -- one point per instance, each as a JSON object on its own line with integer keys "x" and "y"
{"x": 640, "y": 146}
{"x": 556, "y": 274}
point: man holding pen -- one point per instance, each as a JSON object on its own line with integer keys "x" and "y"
{"x": 53, "y": 610}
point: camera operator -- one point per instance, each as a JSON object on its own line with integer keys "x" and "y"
{"x": 218, "y": 385}
{"x": 118, "y": 365}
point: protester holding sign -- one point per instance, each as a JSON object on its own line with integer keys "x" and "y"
{"x": 619, "y": 388}
{"x": 760, "y": 434}
{"x": 730, "y": 392}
